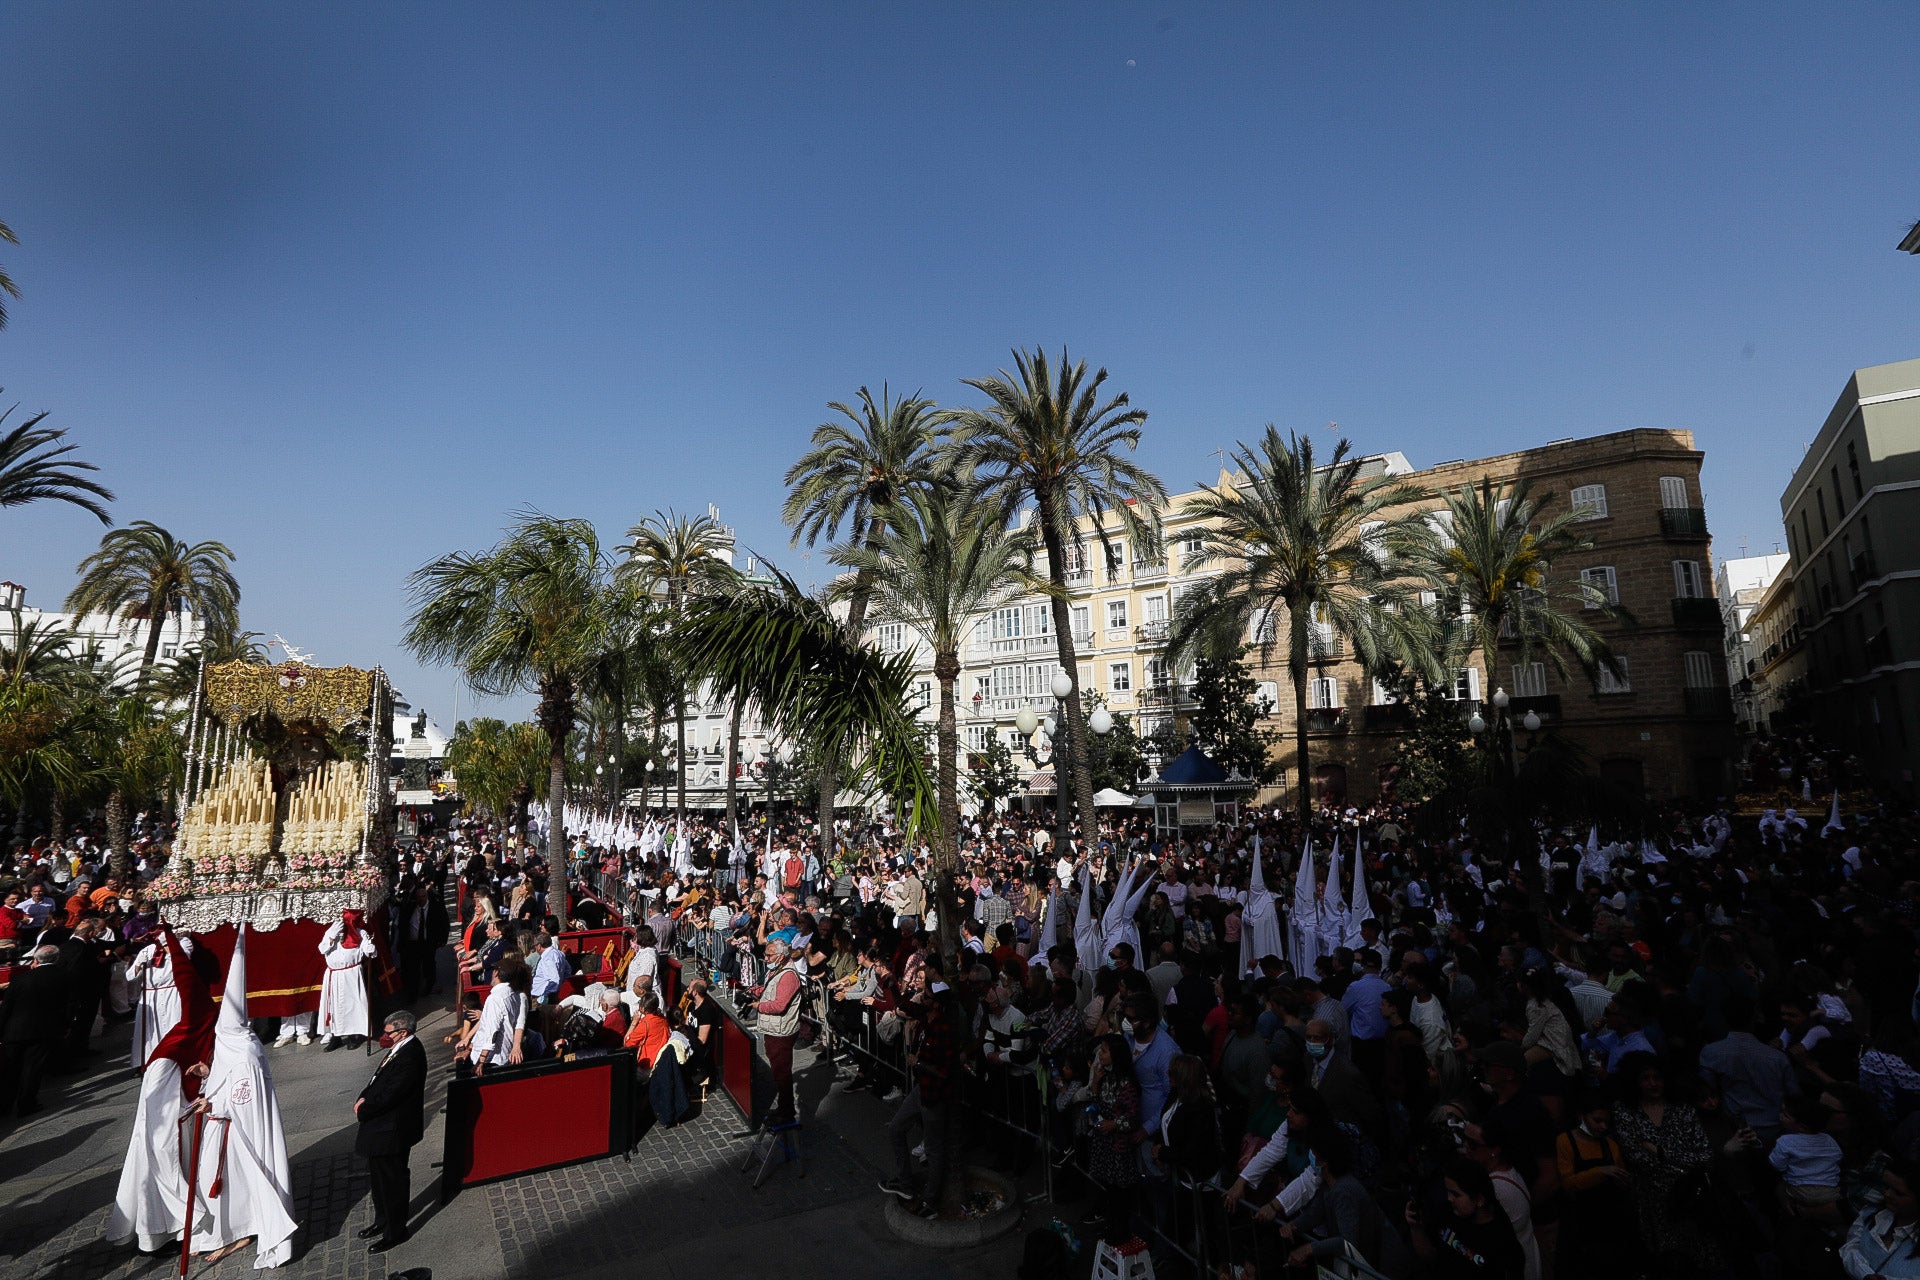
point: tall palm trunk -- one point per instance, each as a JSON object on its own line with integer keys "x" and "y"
{"x": 153, "y": 637}
{"x": 1079, "y": 758}
{"x": 733, "y": 768}
{"x": 121, "y": 862}
{"x": 1297, "y": 669}
{"x": 556, "y": 715}
{"x": 57, "y": 817}
{"x": 946, "y": 846}
{"x": 680, "y": 751}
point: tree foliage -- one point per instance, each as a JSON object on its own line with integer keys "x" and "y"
{"x": 1226, "y": 722}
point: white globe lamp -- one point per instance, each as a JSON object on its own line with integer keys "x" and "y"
{"x": 1101, "y": 721}
{"x": 1062, "y": 684}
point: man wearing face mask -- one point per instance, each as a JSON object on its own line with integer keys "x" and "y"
{"x": 391, "y": 1111}
{"x": 1348, "y": 1096}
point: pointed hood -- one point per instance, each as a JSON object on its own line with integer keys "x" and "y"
{"x": 233, "y": 999}
{"x": 1361, "y": 908}
{"x": 1833, "y": 815}
{"x": 1335, "y": 900}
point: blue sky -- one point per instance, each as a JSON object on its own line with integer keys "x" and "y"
{"x": 344, "y": 286}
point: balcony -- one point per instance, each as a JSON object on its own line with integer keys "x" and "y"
{"x": 1150, "y": 633}
{"x": 1327, "y": 720}
{"x": 1166, "y": 695}
{"x": 1078, "y": 577}
{"x": 1388, "y": 715}
{"x": 1544, "y": 705}
{"x": 1149, "y": 570}
{"x": 1683, "y": 522}
{"x": 1879, "y": 649}
{"x": 1082, "y": 641}
{"x": 1714, "y": 703}
{"x": 1696, "y": 613}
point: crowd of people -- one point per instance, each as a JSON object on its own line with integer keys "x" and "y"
{"x": 1685, "y": 1046}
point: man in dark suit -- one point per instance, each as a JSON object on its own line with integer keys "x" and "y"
{"x": 392, "y": 1115}
{"x": 35, "y": 1017}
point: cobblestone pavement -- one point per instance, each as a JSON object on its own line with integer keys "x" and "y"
{"x": 681, "y": 1208}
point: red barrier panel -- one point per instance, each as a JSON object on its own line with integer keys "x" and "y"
{"x": 736, "y": 1065}
{"x": 501, "y": 1124}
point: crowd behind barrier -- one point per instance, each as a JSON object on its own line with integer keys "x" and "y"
{"x": 1658, "y": 1041}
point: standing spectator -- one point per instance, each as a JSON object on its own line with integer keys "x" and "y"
{"x": 391, "y": 1110}
{"x": 935, "y": 1065}
{"x": 778, "y": 1013}
{"x": 35, "y": 1017}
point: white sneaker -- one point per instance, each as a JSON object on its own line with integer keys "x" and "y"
{"x": 286, "y": 1037}
{"x": 305, "y": 1038}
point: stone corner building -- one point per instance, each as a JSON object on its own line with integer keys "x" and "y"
{"x": 1664, "y": 730}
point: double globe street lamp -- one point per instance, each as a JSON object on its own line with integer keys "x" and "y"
{"x": 772, "y": 762}
{"x": 1059, "y": 753}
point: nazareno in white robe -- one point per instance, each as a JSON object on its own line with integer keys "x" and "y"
{"x": 150, "y": 1207}
{"x": 255, "y": 1185}
{"x": 344, "y": 1007}
{"x": 156, "y": 1000}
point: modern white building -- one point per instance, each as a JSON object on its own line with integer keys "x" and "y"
{"x": 116, "y": 644}
{"x": 1740, "y": 585}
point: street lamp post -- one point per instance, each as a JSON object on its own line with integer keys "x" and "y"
{"x": 646, "y": 791}
{"x": 1060, "y": 753}
{"x": 1503, "y": 736}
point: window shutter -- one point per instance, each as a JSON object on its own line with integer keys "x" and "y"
{"x": 1673, "y": 493}
{"x": 1594, "y": 498}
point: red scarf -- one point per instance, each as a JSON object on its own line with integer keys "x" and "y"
{"x": 190, "y": 1042}
{"x": 353, "y": 920}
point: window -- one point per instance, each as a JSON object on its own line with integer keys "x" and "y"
{"x": 1839, "y": 497}
{"x": 922, "y": 695}
{"x": 1116, "y": 615}
{"x": 1156, "y": 607}
{"x": 1009, "y": 623}
{"x": 1156, "y": 673}
{"x": 1501, "y": 506}
{"x": 1193, "y": 545}
{"x": 1529, "y": 679}
{"x": 1700, "y": 669}
{"x": 1673, "y": 493}
{"x": 891, "y": 637}
{"x": 1853, "y": 468}
{"x": 1383, "y": 696}
{"x": 1602, "y": 585}
{"x": 978, "y": 735}
{"x": 1372, "y": 539}
{"x": 1120, "y": 677}
{"x": 1610, "y": 682}
{"x": 1009, "y": 682}
{"x": 1441, "y": 522}
{"x": 1820, "y": 497}
{"x": 1688, "y": 581}
{"x": 1260, "y": 626}
{"x": 1082, "y": 622}
{"x": 1075, "y": 555}
{"x": 1266, "y": 696}
{"x": 1466, "y": 685}
{"x": 1324, "y": 694}
{"x": 1116, "y": 560}
{"x": 1592, "y": 497}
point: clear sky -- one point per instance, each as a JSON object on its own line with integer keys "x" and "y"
{"x": 343, "y": 286}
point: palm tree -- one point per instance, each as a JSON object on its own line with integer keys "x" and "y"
{"x": 499, "y": 767}
{"x": 139, "y": 757}
{"x": 529, "y": 615}
{"x": 34, "y": 465}
{"x": 144, "y": 573}
{"x": 678, "y": 557}
{"x": 855, "y": 474}
{"x": 1054, "y": 441}
{"x": 1302, "y": 539}
{"x": 7, "y": 286}
{"x": 813, "y": 683}
{"x": 1489, "y": 557}
{"x": 937, "y": 568}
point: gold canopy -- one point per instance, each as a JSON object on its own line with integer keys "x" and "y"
{"x": 287, "y": 691}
